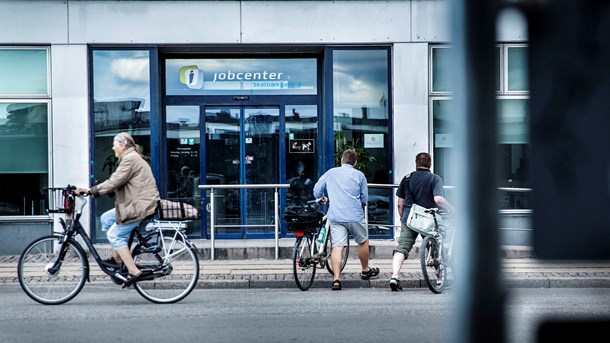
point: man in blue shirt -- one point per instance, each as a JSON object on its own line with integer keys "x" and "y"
{"x": 348, "y": 191}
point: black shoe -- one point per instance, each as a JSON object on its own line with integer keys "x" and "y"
{"x": 395, "y": 284}
{"x": 111, "y": 264}
{"x": 131, "y": 279}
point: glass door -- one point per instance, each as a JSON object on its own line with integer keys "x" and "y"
{"x": 242, "y": 147}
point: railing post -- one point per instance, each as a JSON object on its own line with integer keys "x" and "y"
{"x": 276, "y": 222}
{"x": 212, "y": 220}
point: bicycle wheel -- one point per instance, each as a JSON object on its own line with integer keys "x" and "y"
{"x": 432, "y": 264}
{"x": 40, "y": 282}
{"x": 175, "y": 268}
{"x": 328, "y": 248}
{"x": 303, "y": 265}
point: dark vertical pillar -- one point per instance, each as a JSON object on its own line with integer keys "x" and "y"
{"x": 480, "y": 297}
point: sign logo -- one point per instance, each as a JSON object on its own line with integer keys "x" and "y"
{"x": 191, "y": 76}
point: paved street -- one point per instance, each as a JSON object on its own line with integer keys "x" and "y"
{"x": 106, "y": 313}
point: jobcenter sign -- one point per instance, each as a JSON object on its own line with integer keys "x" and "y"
{"x": 241, "y": 76}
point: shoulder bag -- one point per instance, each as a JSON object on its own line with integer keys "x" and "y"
{"x": 418, "y": 220}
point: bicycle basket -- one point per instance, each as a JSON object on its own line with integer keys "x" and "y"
{"x": 302, "y": 218}
{"x": 59, "y": 200}
{"x": 177, "y": 210}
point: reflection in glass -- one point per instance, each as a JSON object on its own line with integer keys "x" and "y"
{"x": 513, "y": 142}
{"x": 517, "y": 69}
{"x": 441, "y": 69}
{"x": 182, "y": 140}
{"x": 121, "y": 102}
{"x": 361, "y": 115}
{"x": 513, "y": 136}
{"x": 24, "y": 162}
{"x": 262, "y": 140}
{"x": 222, "y": 134}
{"x": 301, "y": 152}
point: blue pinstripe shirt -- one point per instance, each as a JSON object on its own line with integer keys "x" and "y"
{"x": 347, "y": 192}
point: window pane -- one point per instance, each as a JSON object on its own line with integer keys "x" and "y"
{"x": 443, "y": 141}
{"x": 517, "y": 69}
{"x": 513, "y": 118}
{"x": 513, "y": 136}
{"x": 23, "y": 72}
{"x": 182, "y": 123}
{"x": 302, "y": 152}
{"x": 441, "y": 70}
{"x": 360, "y": 98}
{"x": 23, "y": 133}
{"x": 121, "y": 102}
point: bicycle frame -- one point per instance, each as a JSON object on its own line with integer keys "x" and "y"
{"x": 71, "y": 230}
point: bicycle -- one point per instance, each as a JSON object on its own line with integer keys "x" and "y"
{"x": 307, "y": 223}
{"x": 53, "y": 269}
{"x": 435, "y": 253}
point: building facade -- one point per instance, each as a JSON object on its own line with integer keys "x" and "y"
{"x": 241, "y": 92}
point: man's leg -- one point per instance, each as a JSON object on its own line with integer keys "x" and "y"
{"x": 336, "y": 258}
{"x": 405, "y": 244}
{"x": 397, "y": 261}
{"x": 363, "y": 255}
{"x": 339, "y": 237}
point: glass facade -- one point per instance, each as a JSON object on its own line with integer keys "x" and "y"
{"x": 121, "y": 102}
{"x": 271, "y": 136}
{"x": 361, "y": 121}
{"x": 513, "y": 117}
{"x": 24, "y": 130}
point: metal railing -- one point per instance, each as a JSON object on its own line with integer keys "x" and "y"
{"x": 276, "y": 210}
{"x": 276, "y": 222}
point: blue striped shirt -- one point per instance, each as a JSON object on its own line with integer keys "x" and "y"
{"x": 347, "y": 192}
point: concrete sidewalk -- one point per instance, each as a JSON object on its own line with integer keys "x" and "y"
{"x": 239, "y": 265}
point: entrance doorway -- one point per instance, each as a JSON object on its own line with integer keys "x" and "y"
{"x": 243, "y": 147}
{"x": 236, "y": 145}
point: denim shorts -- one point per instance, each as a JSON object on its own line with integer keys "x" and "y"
{"x": 117, "y": 234}
{"x": 339, "y": 233}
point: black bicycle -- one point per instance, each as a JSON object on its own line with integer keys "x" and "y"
{"x": 435, "y": 253}
{"x": 53, "y": 269}
{"x": 312, "y": 248}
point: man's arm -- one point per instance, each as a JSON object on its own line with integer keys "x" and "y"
{"x": 442, "y": 202}
{"x": 320, "y": 187}
{"x": 401, "y": 206}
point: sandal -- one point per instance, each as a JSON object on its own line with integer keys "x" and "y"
{"x": 372, "y": 272}
{"x": 336, "y": 285}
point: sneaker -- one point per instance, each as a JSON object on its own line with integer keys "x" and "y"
{"x": 395, "y": 284}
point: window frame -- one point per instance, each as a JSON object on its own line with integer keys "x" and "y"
{"x": 504, "y": 74}
{"x": 431, "y": 90}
